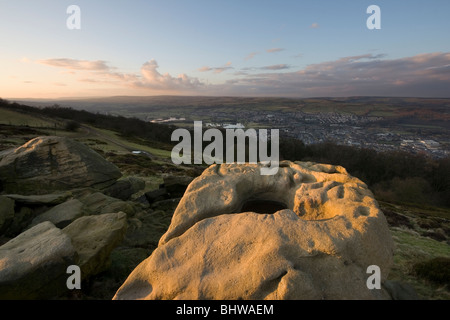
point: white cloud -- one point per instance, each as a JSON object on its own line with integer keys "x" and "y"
{"x": 155, "y": 80}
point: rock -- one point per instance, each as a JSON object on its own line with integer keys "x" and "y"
{"x": 146, "y": 228}
{"x": 176, "y": 185}
{"x": 29, "y": 207}
{"x": 166, "y": 205}
{"x": 61, "y": 215}
{"x": 40, "y": 200}
{"x": 157, "y": 195}
{"x": 22, "y": 219}
{"x": 47, "y": 164}
{"x": 400, "y": 290}
{"x": 98, "y": 203}
{"x": 94, "y": 237}
{"x": 6, "y": 212}
{"x": 123, "y": 189}
{"x": 33, "y": 265}
{"x": 319, "y": 247}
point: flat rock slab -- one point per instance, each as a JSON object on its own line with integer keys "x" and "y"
{"x": 40, "y": 200}
{"x": 318, "y": 247}
{"x": 33, "y": 265}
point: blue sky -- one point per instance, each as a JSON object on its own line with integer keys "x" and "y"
{"x": 217, "y": 47}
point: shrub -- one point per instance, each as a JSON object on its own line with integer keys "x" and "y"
{"x": 436, "y": 270}
{"x": 72, "y": 126}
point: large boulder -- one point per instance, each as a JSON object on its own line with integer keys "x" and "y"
{"x": 94, "y": 237}
{"x": 33, "y": 265}
{"x": 309, "y": 232}
{"x": 47, "y": 164}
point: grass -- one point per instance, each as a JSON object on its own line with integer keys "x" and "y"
{"x": 13, "y": 118}
{"x": 134, "y": 146}
{"x": 413, "y": 249}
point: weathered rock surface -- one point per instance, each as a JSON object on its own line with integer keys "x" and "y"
{"x": 319, "y": 247}
{"x": 94, "y": 237}
{"x": 47, "y": 164}
{"x": 62, "y": 214}
{"x": 98, "y": 203}
{"x": 33, "y": 265}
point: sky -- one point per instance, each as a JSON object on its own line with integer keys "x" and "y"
{"x": 284, "y": 48}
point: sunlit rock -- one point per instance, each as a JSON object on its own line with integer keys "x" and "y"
{"x": 309, "y": 232}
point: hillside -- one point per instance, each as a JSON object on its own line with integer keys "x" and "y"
{"x": 421, "y": 231}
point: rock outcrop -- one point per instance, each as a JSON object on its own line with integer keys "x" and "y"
{"x": 47, "y": 164}
{"x": 308, "y": 232}
{"x": 54, "y": 213}
{"x": 33, "y": 265}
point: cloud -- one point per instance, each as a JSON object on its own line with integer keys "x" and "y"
{"x": 315, "y": 25}
{"x": 148, "y": 78}
{"x": 273, "y": 50}
{"x": 151, "y": 78}
{"x": 250, "y": 56}
{"x": 205, "y": 69}
{"x": 426, "y": 75}
{"x": 216, "y": 70}
{"x": 276, "y": 67}
{"x": 73, "y": 64}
